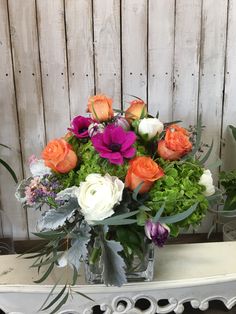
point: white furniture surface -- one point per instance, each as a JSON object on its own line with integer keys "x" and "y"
{"x": 186, "y": 272}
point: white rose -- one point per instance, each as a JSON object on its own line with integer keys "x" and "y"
{"x": 207, "y": 181}
{"x": 97, "y": 196}
{"x": 38, "y": 168}
{"x": 150, "y": 126}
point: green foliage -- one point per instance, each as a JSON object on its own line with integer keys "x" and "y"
{"x": 179, "y": 190}
{"x": 228, "y": 181}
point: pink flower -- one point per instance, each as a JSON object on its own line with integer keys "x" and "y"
{"x": 115, "y": 144}
{"x": 79, "y": 126}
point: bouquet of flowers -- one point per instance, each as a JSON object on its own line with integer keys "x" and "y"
{"x": 112, "y": 169}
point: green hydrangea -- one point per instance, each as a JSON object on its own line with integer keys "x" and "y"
{"x": 179, "y": 190}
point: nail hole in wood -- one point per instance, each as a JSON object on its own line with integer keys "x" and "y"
{"x": 73, "y": 73}
{"x": 87, "y": 75}
{"x": 153, "y": 75}
{"x": 114, "y": 74}
{"x": 62, "y": 73}
{"x": 166, "y": 73}
{"x": 192, "y": 74}
{"x": 131, "y": 73}
{"x": 19, "y": 71}
{"x": 33, "y": 74}
{"x": 227, "y": 72}
{"x": 6, "y": 74}
{"x": 141, "y": 74}
{"x": 46, "y": 74}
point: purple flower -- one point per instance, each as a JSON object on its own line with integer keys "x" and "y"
{"x": 79, "y": 126}
{"x": 157, "y": 232}
{"x": 121, "y": 121}
{"x": 114, "y": 144}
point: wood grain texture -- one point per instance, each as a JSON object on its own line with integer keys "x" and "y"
{"x": 107, "y": 49}
{"x": 160, "y": 57}
{"x": 52, "y": 43}
{"x": 229, "y": 111}
{"x": 212, "y": 67}
{"x": 134, "y": 49}
{"x": 28, "y": 84}
{"x": 9, "y": 136}
{"x": 80, "y": 53}
{"x": 186, "y": 61}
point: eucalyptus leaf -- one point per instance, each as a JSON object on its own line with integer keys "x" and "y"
{"x": 113, "y": 264}
{"x": 180, "y": 216}
{"x": 9, "y": 169}
{"x": 136, "y": 191}
{"x": 158, "y": 214}
{"x": 233, "y": 129}
{"x": 204, "y": 159}
{"x": 55, "y": 218}
{"x": 117, "y": 219}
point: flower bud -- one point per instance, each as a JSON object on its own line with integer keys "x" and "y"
{"x": 150, "y": 127}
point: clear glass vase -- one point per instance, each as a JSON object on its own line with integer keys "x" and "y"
{"x": 6, "y": 235}
{"x": 139, "y": 268}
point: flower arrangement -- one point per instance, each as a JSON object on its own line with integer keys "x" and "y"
{"x": 113, "y": 169}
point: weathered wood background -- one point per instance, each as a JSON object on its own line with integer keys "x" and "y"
{"x": 178, "y": 55}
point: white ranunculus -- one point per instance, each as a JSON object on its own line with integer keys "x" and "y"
{"x": 150, "y": 126}
{"x": 38, "y": 168}
{"x": 207, "y": 181}
{"x": 97, "y": 196}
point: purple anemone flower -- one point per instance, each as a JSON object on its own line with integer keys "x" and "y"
{"x": 115, "y": 144}
{"x": 157, "y": 232}
{"x": 79, "y": 126}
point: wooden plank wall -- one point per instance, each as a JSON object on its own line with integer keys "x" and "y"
{"x": 178, "y": 55}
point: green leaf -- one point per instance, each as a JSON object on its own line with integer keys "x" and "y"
{"x": 180, "y": 216}
{"x": 198, "y": 138}
{"x": 48, "y": 261}
{"x": 233, "y": 129}
{"x": 46, "y": 274}
{"x": 83, "y": 295}
{"x": 58, "y": 296}
{"x": 117, "y": 219}
{"x": 63, "y": 301}
{"x": 49, "y": 235}
{"x": 204, "y": 159}
{"x": 49, "y": 295}
{"x": 136, "y": 191}
{"x": 158, "y": 214}
{"x": 213, "y": 227}
{"x": 9, "y": 169}
{"x": 3, "y": 145}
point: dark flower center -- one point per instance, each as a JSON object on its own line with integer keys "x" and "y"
{"x": 82, "y": 130}
{"x": 115, "y": 147}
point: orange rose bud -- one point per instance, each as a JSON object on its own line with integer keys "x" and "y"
{"x": 135, "y": 111}
{"x": 100, "y": 106}
{"x": 176, "y": 143}
{"x": 59, "y": 156}
{"x": 142, "y": 169}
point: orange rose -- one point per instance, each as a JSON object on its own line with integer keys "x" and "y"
{"x": 176, "y": 143}
{"x": 100, "y": 106}
{"x": 59, "y": 156}
{"x": 142, "y": 169}
{"x": 135, "y": 111}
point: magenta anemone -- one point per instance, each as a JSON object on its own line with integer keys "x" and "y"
{"x": 115, "y": 144}
{"x": 79, "y": 126}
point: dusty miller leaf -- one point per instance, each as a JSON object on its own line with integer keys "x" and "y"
{"x": 113, "y": 264}
{"x": 78, "y": 249}
{"x": 20, "y": 191}
{"x": 56, "y": 218}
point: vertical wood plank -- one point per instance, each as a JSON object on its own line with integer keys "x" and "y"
{"x": 107, "y": 48}
{"x": 9, "y": 135}
{"x": 160, "y": 57}
{"x": 52, "y": 43}
{"x": 229, "y": 117}
{"x": 28, "y": 83}
{"x": 186, "y": 60}
{"x": 214, "y": 21}
{"x": 134, "y": 49}
{"x": 80, "y": 53}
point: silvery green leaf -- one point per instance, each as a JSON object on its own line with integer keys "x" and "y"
{"x": 117, "y": 219}
{"x": 113, "y": 264}
{"x": 179, "y": 217}
{"x": 55, "y": 218}
{"x": 20, "y": 191}
{"x": 78, "y": 249}
{"x": 67, "y": 194}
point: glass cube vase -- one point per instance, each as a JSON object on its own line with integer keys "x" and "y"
{"x": 139, "y": 268}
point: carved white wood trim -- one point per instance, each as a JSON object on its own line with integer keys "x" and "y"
{"x": 195, "y": 273}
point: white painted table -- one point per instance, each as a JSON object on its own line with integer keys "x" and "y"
{"x": 188, "y": 272}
